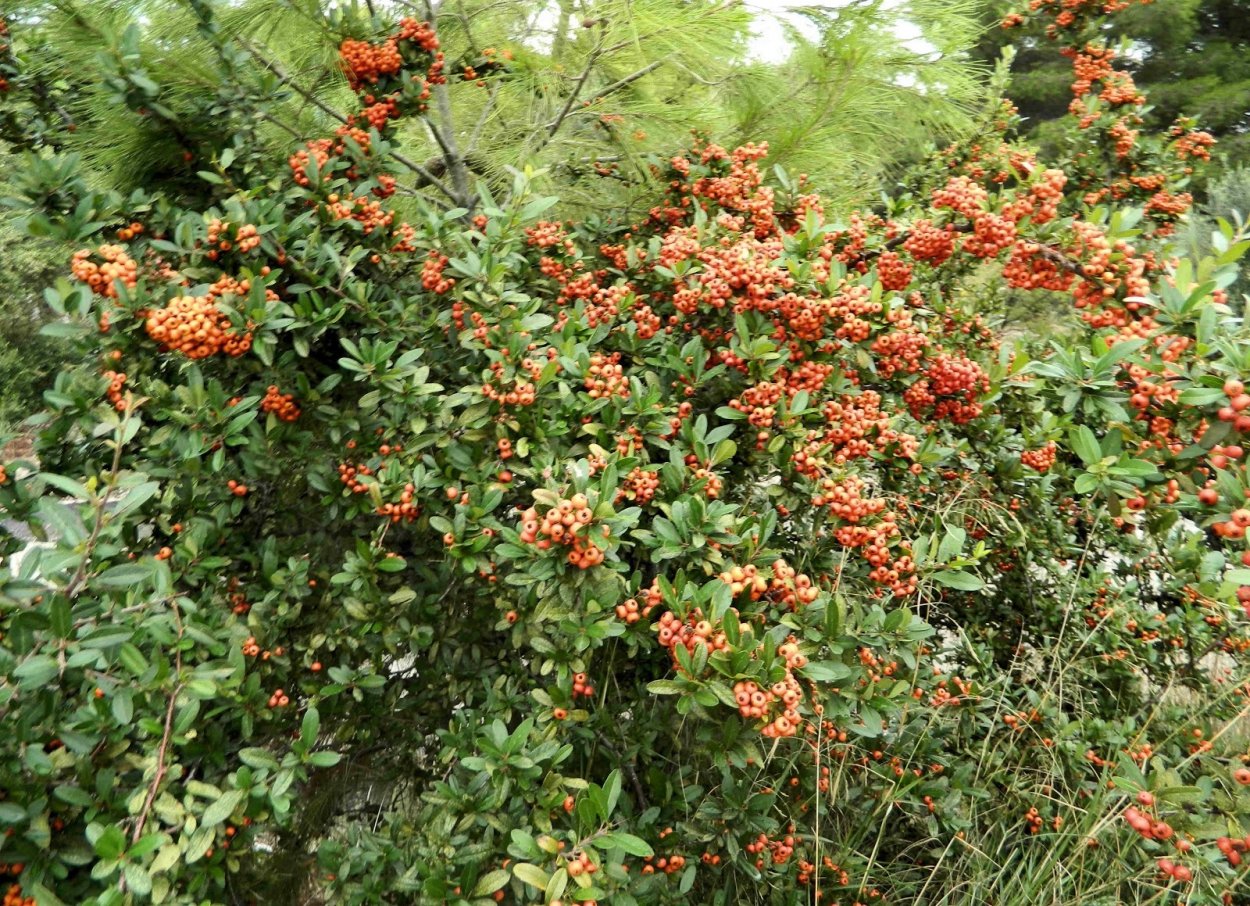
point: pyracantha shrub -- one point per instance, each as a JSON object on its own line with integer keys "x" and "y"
{"x": 729, "y": 556}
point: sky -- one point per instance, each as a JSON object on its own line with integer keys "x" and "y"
{"x": 769, "y": 43}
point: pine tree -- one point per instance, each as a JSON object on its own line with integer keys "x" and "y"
{"x": 588, "y": 91}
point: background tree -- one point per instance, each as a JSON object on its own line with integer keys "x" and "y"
{"x": 1190, "y": 56}
{"x": 576, "y": 89}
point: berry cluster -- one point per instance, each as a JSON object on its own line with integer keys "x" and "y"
{"x": 929, "y": 243}
{"x": 365, "y": 63}
{"x": 251, "y": 648}
{"x": 691, "y": 633}
{"x": 1041, "y": 459}
{"x": 246, "y": 237}
{"x": 893, "y": 272}
{"x": 1233, "y": 850}
{"x": 605, "y": 377}
{"x": 350, "y": 474}
{"x": 582, "y": 685}
{"x": 195, "y": 327}
{"x": 949, "y": 389}
{"x": 280, "y": 404}
{"x": 522, "y": 392}
{"x": 405, "y": 510}
{"x": 846, "y": 501}
{"x": 639, "y": 486}
{"x": 566, "y": 523}
{"x": 577, "y": 864}
{"x": 117, "y": 380}
{"x": 13, "y": 896}
{"x": 432, "y": 273}
{"x": 631, "y": 611}
{"x": 102, "y": 277}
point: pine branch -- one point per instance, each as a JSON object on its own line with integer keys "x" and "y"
{"x": 554, "y": 126}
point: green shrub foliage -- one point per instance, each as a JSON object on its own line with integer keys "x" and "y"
{"x": 725, "y": 556}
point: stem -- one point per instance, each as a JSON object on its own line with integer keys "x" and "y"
{"x": 74, "y": 586}
{"x": 554, "y": 125}
{"x": 163, "y": 751}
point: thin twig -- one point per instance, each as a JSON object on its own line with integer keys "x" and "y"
{"x": 630, "y": 772}
{"x": 481, "y": 120}
{"x": 555, "y": 124}
{"x": 162, "y": 752}
{"x": 74, "y": 586}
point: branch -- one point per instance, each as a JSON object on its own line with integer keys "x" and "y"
{"x": 632, "y": 77}
{"x": 163, "y": 751}
{"x": 80, "y": 575}
{"x": 447, "y": 141}
{"x": 307, "y": 95}
{"x": 554, "y": 125}
{"x": 630, "y": 772}
{"x": 487, "y": 108}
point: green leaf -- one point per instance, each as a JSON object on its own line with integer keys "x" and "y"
{"x": 952, "y": 543}
{"x": 166, "y": 859}
{"x": 36, "y": 671}
{"x": 310, "y": 726}
{"x": 1085, "y": 483}
{"x": 825, "y": 671}
{"x": 490, "y": 882}
{"x": 531, "y": 875}
{"x": 11, "y": 813}
{"x": 559, "y": 881}
{"x": 123, "y": 707}
{"x": 125, "y": 575}
{"x": 222, "y": 809}
{"x": 1085, "y": 444}
{"x": 136, "y": 497}
{"x": 66, "y": 485}
{"x": 110, "y": 844}
{"x": 137, "y": 879}
{"x": 61, "y": 617}
{"x": 132, "y": 659}
{"x": 1201, "y": 396}
{"x": 634, "y": 846}
{"x": 612, "y": 788}
{"x": 392, "y": 564}
{"x": 324, "y": 759}
{"x": 107, "y": 637}
{"x": 146, "y": 844}
{"x": 258, "y": 758}
{"x": 953, "y": 578}
{"x": 43, "y": 896}
{"x": 666, "y": 687}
